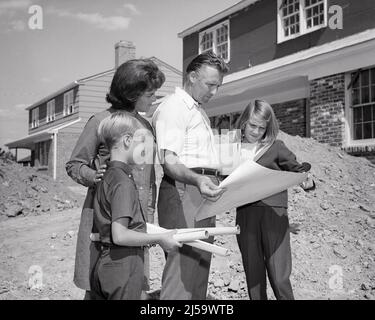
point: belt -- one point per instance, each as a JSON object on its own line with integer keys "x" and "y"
{"x": 207, "y": 171}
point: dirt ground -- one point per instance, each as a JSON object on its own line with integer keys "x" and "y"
{"x": 333, "y": 251}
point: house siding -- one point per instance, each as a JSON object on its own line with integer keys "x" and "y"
{"x": 253, "y": 33}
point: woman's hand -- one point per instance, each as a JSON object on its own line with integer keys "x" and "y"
{"x": 99, "y": 173}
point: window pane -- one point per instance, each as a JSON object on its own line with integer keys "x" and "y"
{"x": 367, "y": 130}
{"x": 367, "y": 113}
{"x": 372, "y": 93}
{"x": 373, "y": 76}
{"x": 357, "y": 115}
{"x": 357, "y": 131}
{"x": 365, "y": 94}
{"x": 355, "y": 96}
{"x": 365, "y": 77}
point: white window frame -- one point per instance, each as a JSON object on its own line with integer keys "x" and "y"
{"x": 50, "y": 111}
{"x": 68, "y": 103}
{"x": 213, "y": 30}
{"x": 303, "y": 29}
{"x": 349, "y": 114}
{"x": 35, "y": 118}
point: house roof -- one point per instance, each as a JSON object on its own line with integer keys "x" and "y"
{"x": 28, "y": 141}
{"x": 223, "y": 14}
{"x": 83, "y": 80}
{"x": 67, "y": 88}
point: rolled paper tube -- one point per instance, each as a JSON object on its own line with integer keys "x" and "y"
{"x": 208, "y": 247}
{"x": 191, "y": 236}
{"x": 151, "y": 228}
{"x": 214, "y": 231}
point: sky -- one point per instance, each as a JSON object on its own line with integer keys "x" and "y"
{"x": 77, "y": 40}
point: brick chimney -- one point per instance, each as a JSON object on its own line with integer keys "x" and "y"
{"x": 124, "y": 51}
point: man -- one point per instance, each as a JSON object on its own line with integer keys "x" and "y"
{"x": 187, "y": 153}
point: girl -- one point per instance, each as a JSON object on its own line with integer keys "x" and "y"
{"x": 264, "y": 240}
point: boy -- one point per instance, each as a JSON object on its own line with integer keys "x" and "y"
{"x": 119, "y": 271}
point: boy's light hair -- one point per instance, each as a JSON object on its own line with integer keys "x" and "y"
{"x": 116, "y": 125}
{"x": 261, "y": 110}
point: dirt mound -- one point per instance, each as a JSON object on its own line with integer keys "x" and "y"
{"x": 24, "y": 191}
{"x": 333, "y": 250}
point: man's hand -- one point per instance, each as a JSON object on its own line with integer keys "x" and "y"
{"x": 99, "y": 174}
{"x": 208, "y": 189}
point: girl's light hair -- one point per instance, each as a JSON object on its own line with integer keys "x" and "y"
{"x": 260, "y": 110}
{"x": 116, "y": 125}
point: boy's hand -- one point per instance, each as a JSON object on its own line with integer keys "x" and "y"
{"x": 167, "y": 242}
{"x": 100, "y": 172}
{"x": 208, "y": 189}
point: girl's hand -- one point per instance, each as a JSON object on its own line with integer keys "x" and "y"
{"x": 100, "y": 172}
{"x": 308, "y": 184}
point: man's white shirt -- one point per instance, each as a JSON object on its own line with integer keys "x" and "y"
{"x": 183, "y": 127}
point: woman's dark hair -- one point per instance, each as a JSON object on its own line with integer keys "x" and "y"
{"x": 131, "y": 80}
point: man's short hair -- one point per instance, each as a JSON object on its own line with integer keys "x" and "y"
{"x": 209, "y": 59}
{"x": 116, "y": 125}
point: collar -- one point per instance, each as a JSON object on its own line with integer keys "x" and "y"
{"x": 121, "y": 165}
{"x": 187, "y": 98}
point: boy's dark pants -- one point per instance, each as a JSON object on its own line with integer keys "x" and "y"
{"x": 118, "y": 274}
{"x": 264, "y": 243}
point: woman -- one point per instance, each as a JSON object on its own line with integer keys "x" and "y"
{"x": 264, "y": 240}
{"x": 133, "y": 90}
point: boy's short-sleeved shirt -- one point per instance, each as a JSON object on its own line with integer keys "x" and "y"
{"x": 117, "y": 197}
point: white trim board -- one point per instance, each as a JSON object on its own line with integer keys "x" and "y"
{"x": 221, "y": 15}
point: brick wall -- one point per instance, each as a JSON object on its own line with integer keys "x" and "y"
{"x": 327, "y": 104}
{"x": 291, "y": 116}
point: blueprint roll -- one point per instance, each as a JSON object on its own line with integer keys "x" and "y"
{"x": 191, "y": 236}
{"x": 215, "y": 231}
{"x": 208, "y": 247}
